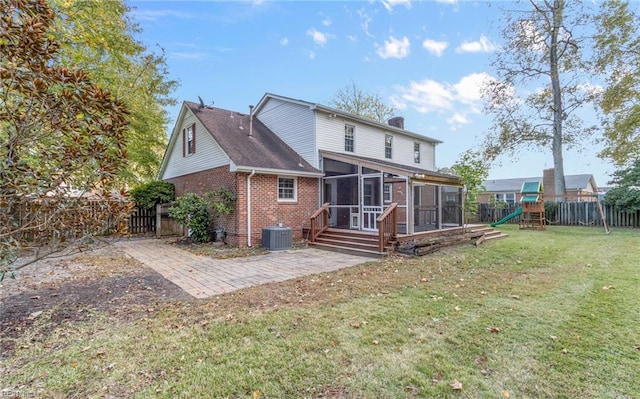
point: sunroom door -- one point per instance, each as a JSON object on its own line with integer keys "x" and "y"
{"x": 371, "y": 201}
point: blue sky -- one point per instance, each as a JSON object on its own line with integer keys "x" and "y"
{"x": 426, "y": 59}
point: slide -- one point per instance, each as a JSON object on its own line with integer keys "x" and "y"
{"x": 510, "y": 216}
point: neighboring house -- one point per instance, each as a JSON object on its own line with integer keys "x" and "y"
{"x": 287, "y": 157}
{"x": 580, "y": 188}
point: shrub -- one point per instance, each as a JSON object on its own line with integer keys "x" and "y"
{"x": 192, "y": 211}
{"x": 150, "y": 194}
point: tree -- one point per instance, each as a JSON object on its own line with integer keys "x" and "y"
{"x": 58, "y": 130}
{"x": 626, "y": 196}
{"x": 540, "y": 83}
{"x": 473, "y": 170}
{"x": 148, "y": 195}
{"x": 617, "y": 56}
{"x": 354, "y": 100}
{"x": 99, "y": 37}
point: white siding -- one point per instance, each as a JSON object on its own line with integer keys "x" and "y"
{"x": 294, "y": 124}
{"x": 208, "y": 153}
{"x": 369, "y": 142}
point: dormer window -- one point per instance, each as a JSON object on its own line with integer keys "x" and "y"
{"x": 349, "y": 137}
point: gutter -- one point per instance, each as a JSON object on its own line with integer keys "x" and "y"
{"x": 253, "y": 172}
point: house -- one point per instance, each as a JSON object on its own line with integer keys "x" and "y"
{"x": 285, "y": 158}
{"x": 580, "y": 188}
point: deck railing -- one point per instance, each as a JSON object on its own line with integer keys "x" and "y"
{"x": 319, "y": 222}
{"x": 387, "y": 226}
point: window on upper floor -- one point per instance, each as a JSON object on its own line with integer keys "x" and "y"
{"x": 509, "y": 198}
{"x": 349, "y": 138}
{"x": 287, "y": 189}
{"x": 416, "y": 152}
{"x": 189, "y": 140}
{"x": 388, "y": 146}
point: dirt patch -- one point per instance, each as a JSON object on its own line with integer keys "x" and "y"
{"x": 72, "y": 289}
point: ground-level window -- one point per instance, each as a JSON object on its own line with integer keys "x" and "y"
{"x": 388, "y": 146}
{"x": 349, "y": 137}
{"x": 287, "y": 189}
{"x": 416, "y": 152}
{"x": 387, "y": 193}
{"x": 509, "y": 198}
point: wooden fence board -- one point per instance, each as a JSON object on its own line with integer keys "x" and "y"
{"x": 569, "y": 214}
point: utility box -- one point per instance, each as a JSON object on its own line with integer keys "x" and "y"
{"x": 277, "y": 238}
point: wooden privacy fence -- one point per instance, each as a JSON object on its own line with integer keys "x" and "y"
{"x": 142, "y": 221}
{"x": 568, "y": 214}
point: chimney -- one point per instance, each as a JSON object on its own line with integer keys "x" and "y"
{"x": 548, "y": 182}
{"x": 396, "y": 121}
{"x": 250, "y": 120}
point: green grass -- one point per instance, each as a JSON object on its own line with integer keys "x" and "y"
{"x": 541, "y": 314}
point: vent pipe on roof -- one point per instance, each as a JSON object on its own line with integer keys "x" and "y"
{"x": 250, "y": 120}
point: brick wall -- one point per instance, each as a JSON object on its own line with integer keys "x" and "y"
{"x": 267, "y": 211}
{"x": 265, "y": 208}
{"x": 211, "y": 180}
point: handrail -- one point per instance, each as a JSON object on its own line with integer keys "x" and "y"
{"x": 319, "y": 222}
{"x": 387, "y": 226}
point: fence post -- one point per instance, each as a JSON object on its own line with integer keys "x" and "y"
{"x": 158, "y": 220}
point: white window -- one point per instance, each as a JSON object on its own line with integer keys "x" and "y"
{"x": 190, "y": 138}
{"x": 509, "y": 198}
{"x": 287, "y": 189}
{"x": 416, "y": 152}
{"x": 388, "y": 146}
{"x": 387, "y": 193}
{"x": 349, "y": 138}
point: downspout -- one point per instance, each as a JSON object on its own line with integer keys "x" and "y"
{"x": 253, "y": 172}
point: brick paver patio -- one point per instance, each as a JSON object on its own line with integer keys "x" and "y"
{"x": 203, "y": 276}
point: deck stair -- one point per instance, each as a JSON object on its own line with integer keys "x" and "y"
{"x": 488, "y": 233}
{"x": 353, "y": 242}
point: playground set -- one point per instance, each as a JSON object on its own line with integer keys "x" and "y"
{"x": 531, "y": 209}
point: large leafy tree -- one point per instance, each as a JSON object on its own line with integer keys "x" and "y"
{"x": 100, "y": 38}
{"x": 58, "y": 130}
{"x": 540, "y": 83}
{"x": 355, "y": 100}
{"x": 617, "y": 56}
{"x": 473, "y": 170}
{"x": 626, "y": 194}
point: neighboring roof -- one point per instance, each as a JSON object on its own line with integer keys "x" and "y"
{"x": 572, "y": 182}
{"x": 386, "y": 166}
{"x": 263, "y": 150}
{"x": 360, "y": 119}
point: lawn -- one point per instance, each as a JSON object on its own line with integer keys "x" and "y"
{"x": 540, "y": 314}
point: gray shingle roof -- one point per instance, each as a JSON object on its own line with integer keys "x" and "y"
{"x": 572, "y": 182}
{"x": 264, "y": 149}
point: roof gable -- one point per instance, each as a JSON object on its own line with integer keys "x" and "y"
{"x": 249, "y": 143}
{"x": 347, "y": 115}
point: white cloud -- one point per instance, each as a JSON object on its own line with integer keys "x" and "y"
{"x": 327, "y": 21}
{"x": 318, "y": 37}
{"x": 284, "y": 41}
{"x": 389, "y": 4}
{"x": 310, "y": 54}
{"x": 352, "y": 38}
{"x": 469, "y": 89}
{"x": 483, "y": 45}
{"x": 394, "y": 48}
{"x": 425, "y": 96}
{"x": 447, "y": 1}
{"x": 458, "y": 119}
{"x": 435, "y": 47}
{"x": 365, "y": 19}
{"x": 460, "y": 99}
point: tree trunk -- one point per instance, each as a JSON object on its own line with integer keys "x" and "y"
{"x": 558, "y": 111}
